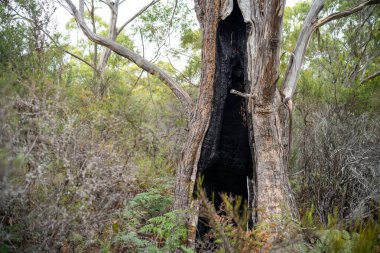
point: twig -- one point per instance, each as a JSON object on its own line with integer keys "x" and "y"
{"x": 241, "y": 94}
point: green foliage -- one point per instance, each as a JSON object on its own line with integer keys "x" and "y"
{"x": 168, "y": 227}
{"x": 360, "y": 236}
{"x": 135, "y": 243}
{"x": 341, "y": 241}
{"x": 67, "y": 156}
{"x": 4, "y": 249}
{"x": 335, "y": 115}
{"x": 169, "y": 30}
{"x": 191, "y": 39}
{"x": 149, "y": 225}
{"x": 367, "y": 240}
{"x": 293, "y": 19}
{"x": 333, "y": 240}
{"x": 144, "y": 206}
{"x": 339, "y": 58}
{"x": 159, "y": 21}
{"x": 307, "y": 220}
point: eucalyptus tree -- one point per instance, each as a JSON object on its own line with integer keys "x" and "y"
{"x": 240, "y": 128}
{"x": 333, "y": 95}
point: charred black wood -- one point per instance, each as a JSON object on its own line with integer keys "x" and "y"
{"x": 226, "y": 162}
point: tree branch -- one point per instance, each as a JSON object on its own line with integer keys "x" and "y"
{"x": 310, "y": 24}
{"x": 241, "y": 94}
{"x": 136, "y": 15}
{"x": 81, "y": 59}
{"x": 68, "y": 52}
{"x": 54, "y": 41}
{"x": 295, "y": 64}
{"x": 376, "y": 74}
{"x": 345, "y": 13}
{"x": 114, "y": 32}
{"x": 106, "y": 2}
{"x": 181, "y": 94}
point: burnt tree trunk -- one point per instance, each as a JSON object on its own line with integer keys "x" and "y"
{"x": 241, "y": 136}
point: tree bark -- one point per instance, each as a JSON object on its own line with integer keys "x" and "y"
{"x": 266, "y": 115}
{"x": 106, "y": 52}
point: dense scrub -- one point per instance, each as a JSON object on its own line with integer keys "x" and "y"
{"x": 70, "y": 162}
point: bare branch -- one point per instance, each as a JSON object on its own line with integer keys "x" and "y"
{"x": 107, "y": 3}
{"x": 88, "y": 8}
{"x": 114, "y": 32}
{"x": 68, "y": 52}
{"x": 241, "y": 94}
{"x": 181, "y": 94}
{"x": 81, "y": 8}
{"x": 136, "y": 15}
{"x": 295, "y": 64}
{"x": 344, "y": 13}
{"x": 171, "y": 19}
{"x": 310, "y": 24}
{"x": 93, "y": 23}
{"x": 179, "y": 72}
{"x": 376, "y": 74}
{"x": 81, "y": 59}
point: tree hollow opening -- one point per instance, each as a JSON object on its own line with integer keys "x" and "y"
{"x": 226, "y": 161}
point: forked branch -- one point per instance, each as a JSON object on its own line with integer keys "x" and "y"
{"x": 114, "y": 31}
{"x": 141, "y": 62}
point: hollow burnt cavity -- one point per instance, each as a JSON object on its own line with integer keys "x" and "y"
{"x": 226, "y": 161}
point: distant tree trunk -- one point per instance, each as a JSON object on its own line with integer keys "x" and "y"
{"x": 93, "y": 23}
{"x": 244, "y": 135}
{"x": 106, "y": 52}
{"x": 113, "y": 32}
